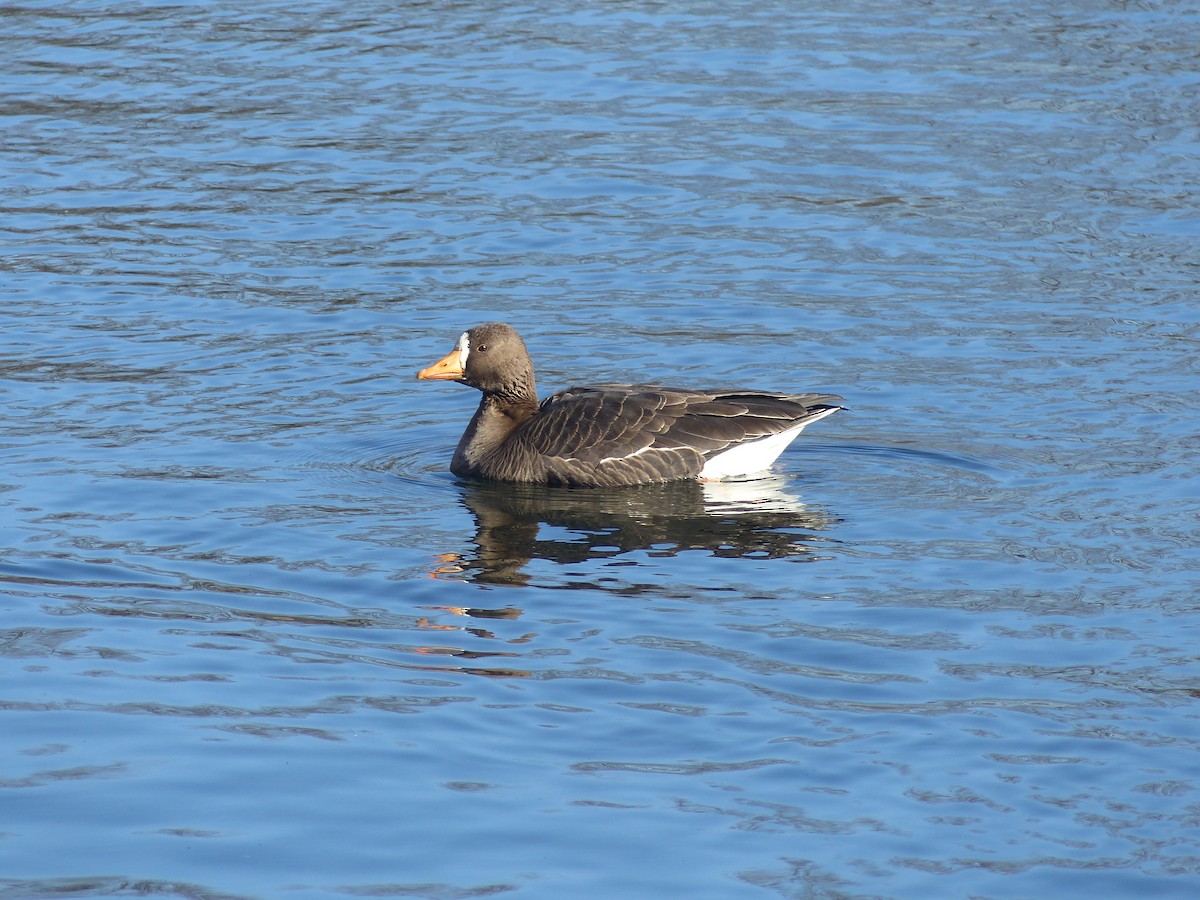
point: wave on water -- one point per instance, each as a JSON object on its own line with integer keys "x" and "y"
{"x": 889, "y": 453}
{"x": 413, "y": 461}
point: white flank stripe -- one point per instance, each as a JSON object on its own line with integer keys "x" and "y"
{"x": 637, "y": 452}
{"x": 754, "y": 456}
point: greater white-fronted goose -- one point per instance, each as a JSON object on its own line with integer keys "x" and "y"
{"x": 610, "y": 434}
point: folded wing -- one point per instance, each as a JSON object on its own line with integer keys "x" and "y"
{"x": 629, "y": 434}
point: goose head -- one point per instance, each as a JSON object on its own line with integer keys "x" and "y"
{"x": 490, "y": 358}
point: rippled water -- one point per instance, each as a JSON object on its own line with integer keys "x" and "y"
{"x": 256, "y": 640}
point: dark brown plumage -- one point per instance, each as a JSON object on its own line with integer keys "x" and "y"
{"x": 611, "y": 434}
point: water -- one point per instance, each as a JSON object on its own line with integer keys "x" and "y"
{"x": 257, "y": 642}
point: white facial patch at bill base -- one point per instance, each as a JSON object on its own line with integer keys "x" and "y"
{"x": 464, "y": 350}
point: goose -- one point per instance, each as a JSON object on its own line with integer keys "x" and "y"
{"x": 610, "y": 435}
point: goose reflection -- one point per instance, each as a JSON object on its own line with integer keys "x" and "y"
{"x": 519, "y": 523}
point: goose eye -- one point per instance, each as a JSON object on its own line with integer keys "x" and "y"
{"x": 482, "y": 348}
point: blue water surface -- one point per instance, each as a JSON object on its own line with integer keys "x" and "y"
{"x": 256, "y": 641}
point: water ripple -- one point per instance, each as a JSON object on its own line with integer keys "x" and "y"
{"x": 249, "y": 616}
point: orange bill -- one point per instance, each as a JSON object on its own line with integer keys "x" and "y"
{"x": 448, "y": 368}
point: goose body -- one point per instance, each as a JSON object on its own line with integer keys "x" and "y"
{"x": 610, "y": 434}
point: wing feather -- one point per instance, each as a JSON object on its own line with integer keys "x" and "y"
{"x": 623, "y": 434}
